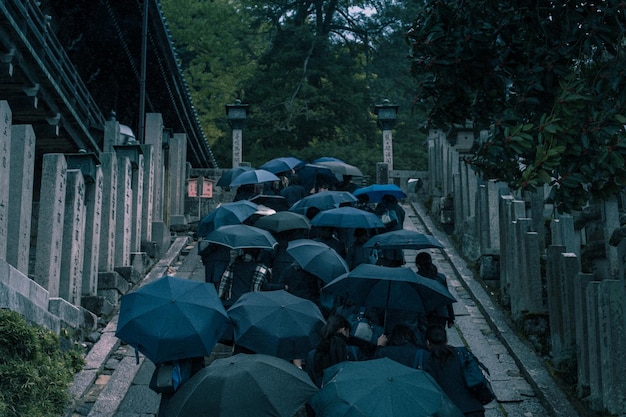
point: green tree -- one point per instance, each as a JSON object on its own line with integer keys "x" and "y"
{"x": 545, "y": 77}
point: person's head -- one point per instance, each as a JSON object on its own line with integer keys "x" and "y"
{"x": 363, "y": 198}
{"x": 389, "y": 199}
{"x": 402, "y": 334}
{"x": 336, "y": 323}
{"x": 294, "y": 179}
{"x": 436, "y": 335}
{"x": 360, "y": 234}
{"x": 312, "y": 212}
{"x": 347, "y": 178}
{"x": 423, "y": 259}
{"x": 326, "y": 232}
{"x": 253, "y": 252}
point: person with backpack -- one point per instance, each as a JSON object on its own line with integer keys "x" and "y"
{"x": 404, "y": 347}
{"x": 446, "y": 368}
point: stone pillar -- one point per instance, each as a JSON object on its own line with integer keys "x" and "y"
{"x": 21, "y": 196}
{"x": 5, "y": 158}
{"x": 106, "y": 258}
{"x": 612, "y": 306}
{"x": 520, "y": 286}
{"x": 123, "y": 213}
{"x": 562, "y": 230}
{"x": 570, "y": 268}
{"x": 147, "y": 205}
{"x": 510, "y": 211}
{"x": 178, "y": 177}
{"x": 154, "y": 137}
{"x": 111, "y": 136}
{"x": 611, "y": 223}
{"x": 555, "y": 300}
{"x": 382, "y": 173}
{"x": 582, "y": 331}
{"x": 73, "y": 238}
{"x": 593, "y": 342}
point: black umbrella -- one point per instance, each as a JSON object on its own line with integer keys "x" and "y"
{"x": 380, "y": 388}
{"x": 347, "y": 217}
{"x": 317, "y": 258}
{"x": 241, "y": 236}
{"x": 243, "y": 386}
{"x": 275, "y": 202}
{"x": 225, "y": 214}
{"x": 283, "y": 221}
{"x": 403, "y": 239}
{"x": 324, "y": 200}
{"x": 228, "y": 176}
{"x": 281, "y": 164}
{"x": 276, "y": 323}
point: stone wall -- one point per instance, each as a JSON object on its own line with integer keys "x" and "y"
{"x": 567, "y": 267}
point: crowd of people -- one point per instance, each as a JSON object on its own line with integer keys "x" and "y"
{"x": 410, "y": 338}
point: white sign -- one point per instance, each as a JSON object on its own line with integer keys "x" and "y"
{"x": 237, "y": 145}
{"x": 388, "y": 149}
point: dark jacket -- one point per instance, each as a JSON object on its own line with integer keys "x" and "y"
{"x": 330, "y": 352}
{"x": 406, "y": 354}
{"x": 301, "y": 283}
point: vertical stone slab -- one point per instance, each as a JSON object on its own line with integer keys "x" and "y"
{"x": 137, "y": 183}
{"x": 93, "y": 220}
{"x": 612, "y": 303}
{"x": 123, "y": 213}
{"x": 111, "y": 136}
{"x": 536, "y": 213}
{"x": 611, "y": 223}
{"x": 504, "y": 204}
{"x": 178, "y": 176}
{"x": 73, "y": 238}
{"x": 582, "y": 330}
{"x": 533, "y": 284}
{"x": 555, "y": 299}
{"x": 593, "y": 342}
{"x": 154, "y": 137}
{"x": 5, "y": 158}
{"x": 562, "y": 230}
{"x": 106, "y": 256}
{"x": 482, "y": 217}
{"x": 21, "y": 196}
{"x": 147, "y": 206}
{"x": 519, "y": 289}
{"x": 494, "y": 190}
{"x": 50, "y": 226}
{"x": 570, "y": 267}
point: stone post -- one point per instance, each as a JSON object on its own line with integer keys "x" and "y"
{"x": 148, "y": 197}
{"x": 595, "y": 358}
{"x": 49, "y": 250}
{"x": 178, "y": 177}
{"x": 570, "y": 267}
{"x": 382, "y": 173}
{"x": 21, "y": 195}
{"x": 123, "y": 213}
{"x": 582, "y": 331}
{"x": 611, "y": 223}
{"x": 106, "y": 258}
{"x": 555, "y": 300}
{"x": 562, "y": 230}
{"x": 73, "y": 238}
{"x": 5, "y": 158}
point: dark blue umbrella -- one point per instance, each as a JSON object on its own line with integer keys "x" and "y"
{"x": 324, "y": 200}
{"x": 282, "y": 164}
{"x": 403, "y": 239}
{"x": 375, "y": 192}
{"x": 283, "y": 221}
{"x": 347, "y": 217}
{"x": 256, "y": 176}
{"x": 380, "y": 388}
{"x": 275, "y": 202}
{"x": 241, "y": 236}
{"x": 317, "y": 258}
{"x": 313, "y": 176}
{"x": 276, "y": 323}
{"x": 225, "y": 214}
{"x": 228, "y": 176}
{"x": 326, "y": 159}
{"x": 172, "y": 318}
{"x": 385, "y": 287}
{"x": 341, "y": 168}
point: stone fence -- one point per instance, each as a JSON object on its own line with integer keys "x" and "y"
{"x": 80, "y": 230}
{"x": 567, "y": 269}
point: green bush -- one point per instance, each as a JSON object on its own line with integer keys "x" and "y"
{"x": 35, "y": 371}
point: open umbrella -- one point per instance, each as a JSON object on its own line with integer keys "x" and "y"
{"x": 390, "y": 287}
{"x": 341, "y": 168}
{"x": 324, "y": 200}
{"x": 403, "y": 239}
{"x": 326, "y": 159}
{"x": 347, "y": 217}
{"x": 283, "y": 221}
{"x": 380, "y": 388}
{"x": 375, "y": 192}
{"x": 241, "y": 236}
{"x": 312, "y": 176}
{"x": 243, "y": 386}
{"x": 317, "y": 258}
{"x": 282, "y": 164}
{"x": 228, "y": 176}
{"x": 275, "y": 202}
{"x": 255, "y": 176}
{"x": 172, "y": 318}
{"x": 276, "y": 323}
{"x": 225, "y": 214}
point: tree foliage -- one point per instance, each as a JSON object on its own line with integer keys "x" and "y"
{"x": 545, "y": 77}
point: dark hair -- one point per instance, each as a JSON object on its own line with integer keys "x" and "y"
{"x": 438, "y": 338}
{"x": 425, "y": 266}
{"x": 401, "y": 334}
{"x": 333, "y": 324}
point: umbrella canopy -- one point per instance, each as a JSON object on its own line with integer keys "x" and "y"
{"x": 275, "y": 202}
{"x": 380, "y": 388}
{"x": 241, "y": 236}
{"x": 347, "y": 217}
{"x": 324, "y": 200}
{"x": 375, "y": 192}
{"x": 172, "y": 318}
{"x": 312, "y": 176}
{"x": 403, "y": 239}
{"x": 283, "y": 221}
{"x": 276, "y": 323}
{"x": 317, "y": 258}
{"x": 228, "y": 176}
{"x": 390, "y": 288}
{"x": 282, "y": 164}
{"x": 243, "y": 386}
{"x": 341, "y": 168}
{"x": 225, "y": 214}
{"x": 326, "y": 159}
{"x": 255, "y": 176}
